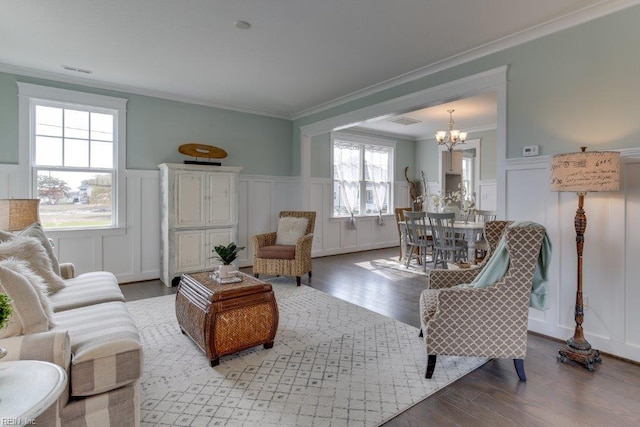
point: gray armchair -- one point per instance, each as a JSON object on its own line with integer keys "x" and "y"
{"x": 490, "y": 321}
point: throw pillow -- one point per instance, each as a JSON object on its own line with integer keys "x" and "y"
{"x": 290, "y": 229}
{"x": 30, "y": 250}
{"x": 28, "y": 315}
{"x": 36, "y": 231}
{"x": 22, "y": 267}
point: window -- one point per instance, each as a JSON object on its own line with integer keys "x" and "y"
{"x": 362, "y": 175}
{"x": 76, "y": 151}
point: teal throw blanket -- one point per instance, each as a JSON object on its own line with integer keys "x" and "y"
{"x": 498, "y": 265}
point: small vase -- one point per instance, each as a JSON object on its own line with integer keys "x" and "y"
{"x": 224, "y": 270}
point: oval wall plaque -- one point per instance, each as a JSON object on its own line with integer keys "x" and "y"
{"x": 201, "y": 150}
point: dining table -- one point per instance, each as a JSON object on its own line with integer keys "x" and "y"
{"x": 468, "y": 228}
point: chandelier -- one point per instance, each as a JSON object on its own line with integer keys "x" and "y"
{"x": 451, "y": 137}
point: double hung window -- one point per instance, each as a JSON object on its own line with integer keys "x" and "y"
{"x": 76, "y": 152}
{"x": 362, "y": 176}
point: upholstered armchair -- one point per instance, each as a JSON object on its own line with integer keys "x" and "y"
{"x": 285, "y": 252}
{"x": 486, "y": 321}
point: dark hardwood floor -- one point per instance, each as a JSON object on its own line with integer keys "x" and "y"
{"x": 555, "y": 394}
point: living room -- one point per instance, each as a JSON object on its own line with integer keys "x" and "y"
{"x": 560, "y": 87}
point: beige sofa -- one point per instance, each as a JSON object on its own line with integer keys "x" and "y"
{"x": 86, "y": 330}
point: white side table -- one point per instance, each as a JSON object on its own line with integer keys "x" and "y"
{"x": 28, "y": 388}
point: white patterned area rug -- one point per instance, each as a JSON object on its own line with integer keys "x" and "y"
{"x": 332, "y": 364}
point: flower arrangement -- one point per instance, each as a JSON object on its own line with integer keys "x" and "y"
{"x": 453, "y": 198}
{"x": 229, "y": 253}
{"x": 5, "y": 310}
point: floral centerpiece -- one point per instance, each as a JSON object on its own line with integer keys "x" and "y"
{"x": 454, "y": 201}
{"x": 6, "y": 309}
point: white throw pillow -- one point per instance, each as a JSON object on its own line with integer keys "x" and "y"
{"x": 290, "y": 229}
{"x": 28, "y": 315}
{"x": 36, "y": 231}
{"x": 31, "y": 251}
{"x": 36, "y": 282}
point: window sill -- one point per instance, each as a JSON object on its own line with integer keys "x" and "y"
{"x": 346, "y": 218}
{"x": 81, "y": 232}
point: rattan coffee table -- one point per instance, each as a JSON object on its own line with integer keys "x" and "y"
{"x": 226, "y": 318}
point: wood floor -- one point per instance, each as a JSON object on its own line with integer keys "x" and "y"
{"x": 555, "y": 394}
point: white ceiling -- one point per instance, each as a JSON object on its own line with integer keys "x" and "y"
{"x": 298, "y": 55}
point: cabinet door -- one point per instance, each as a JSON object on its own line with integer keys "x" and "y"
{"x": 190, "y": 251}
{"x": 189, "y": 205}
{"x": 221, "y": 199}
{"x": 222, "y": 236}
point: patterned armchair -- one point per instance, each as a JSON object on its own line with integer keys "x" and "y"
{"x": 284, "y": 260}
{"x": 491, "y": 321}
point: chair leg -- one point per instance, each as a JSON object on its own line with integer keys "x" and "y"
{"x": 298, "y": 280}
{"x": 519, "y": 364}
{"x": 431, "y": 365}
{"x": 256, "y": 275}
{"x": 421, "y": 333}
{"x": 309, "y": 274}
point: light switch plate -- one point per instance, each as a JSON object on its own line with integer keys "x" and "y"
{"x": 530, "y": 150}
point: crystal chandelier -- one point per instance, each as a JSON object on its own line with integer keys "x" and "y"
{"x": 451, "y": 137}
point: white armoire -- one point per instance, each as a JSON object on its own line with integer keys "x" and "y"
{"x": 199, "y": 211}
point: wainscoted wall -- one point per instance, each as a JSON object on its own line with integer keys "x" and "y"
{"x": 612, "y": 240}
{"x": 611, "y": 287}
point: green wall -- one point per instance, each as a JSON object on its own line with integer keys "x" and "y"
{"x": 575, "y": 87}
{"x": 156, "y": 127}
{"x": 427, "y": 155}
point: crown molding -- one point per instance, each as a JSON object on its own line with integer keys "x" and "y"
{"x": 587, "y": 14}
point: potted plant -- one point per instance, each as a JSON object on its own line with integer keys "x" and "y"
{"x": 227, "y": 255}
{"x": 5, "y": 312}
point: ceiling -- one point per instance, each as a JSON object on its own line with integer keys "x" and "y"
{"x": 298, "y": 55}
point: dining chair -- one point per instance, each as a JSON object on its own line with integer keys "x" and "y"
{"x": 418, "y": 237}
{"x": 400, "y": 219}
{"x": 481, "y": 245}
{"x": 447, "y": 246}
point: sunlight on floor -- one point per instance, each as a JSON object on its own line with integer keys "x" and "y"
{"x": 392, "y": 269}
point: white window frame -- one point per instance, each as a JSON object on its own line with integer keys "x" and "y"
{"x": 29, "y": 95}
{"x": 364, "y": 140}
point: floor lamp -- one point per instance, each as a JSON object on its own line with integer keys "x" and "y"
{"x": 581, "y": 173}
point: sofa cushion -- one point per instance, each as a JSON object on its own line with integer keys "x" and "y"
{"x": 36, "y": 231}
{"x": 31, "y": 250}
{"x": 105, "y": 347}
{"x": 290, "y": 229}
{"x": 87, "y": 289}
{"x": 28, "y": 315}
{"x": 277, "y": 252}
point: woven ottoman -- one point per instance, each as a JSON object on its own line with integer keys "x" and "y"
{"x": 224, "y": 319}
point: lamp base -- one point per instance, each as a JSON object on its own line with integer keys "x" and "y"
{"x": 580, "y": 352}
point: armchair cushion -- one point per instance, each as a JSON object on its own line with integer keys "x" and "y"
{"x": 31, "y": 250}
{"x": 28, "y": 315}
{"x": 290, "y": 229}
{"x": 277, "y": 252}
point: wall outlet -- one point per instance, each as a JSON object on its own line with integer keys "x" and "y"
{"x": 530, "y": 150}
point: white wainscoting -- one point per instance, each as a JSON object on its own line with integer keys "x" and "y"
{"x": 611, "y": 287}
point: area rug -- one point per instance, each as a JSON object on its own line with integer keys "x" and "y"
{"x": 333, "y": 364}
